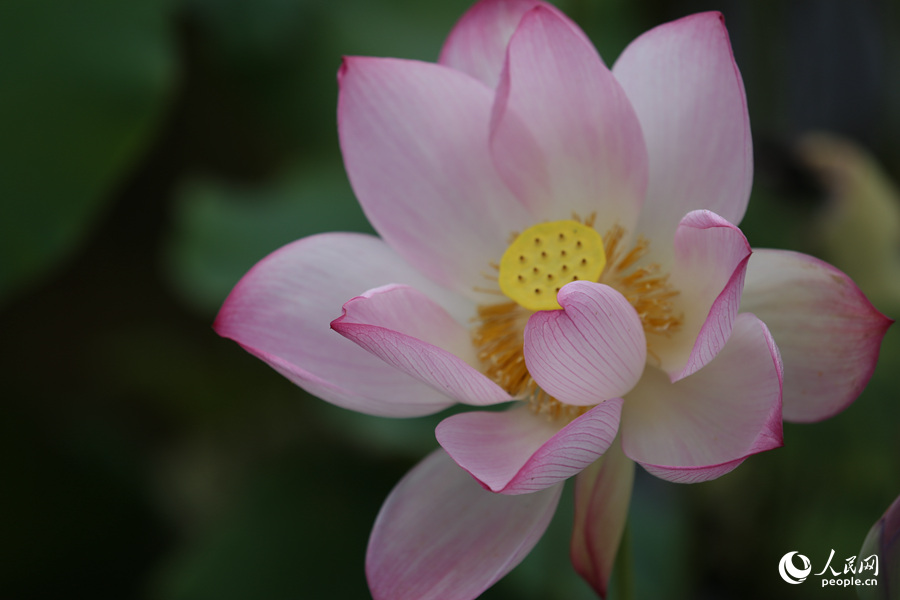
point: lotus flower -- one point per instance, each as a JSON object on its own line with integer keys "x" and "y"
{"x": 563, "y": 238}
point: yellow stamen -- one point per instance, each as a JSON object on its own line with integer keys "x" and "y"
{"x": 498, "y": 338}
{"x": 648, "y": 291}
{"x": 545, "y": 257}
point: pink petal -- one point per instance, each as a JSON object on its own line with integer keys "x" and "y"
{"x": 710, "y": 261}
{"x": 827, "y": 331}
{"x": 477, "y": 45}
{"x": 412, "y": 333}
{"x": 682, "y": 80}
{"x": 602, "y": 495}
{"x": 414, "y": 140}
{"x": 592, "y": 350}
{"x": 441, "y": 536}
{"x": 564, "y": 135}
{"x": 519, "y": 452}
{"x": 705, "y": 425}
{"x": 280, "y": 311}
{"x": 880, "y": 556}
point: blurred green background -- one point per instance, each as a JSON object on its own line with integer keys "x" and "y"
{"x": 151, "y": 151}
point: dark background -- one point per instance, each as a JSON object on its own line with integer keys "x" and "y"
{"x": 152, "y": 150}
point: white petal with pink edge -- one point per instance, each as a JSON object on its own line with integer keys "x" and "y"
{"x": 564, "y": 136}
{"x": 412, "y": 333}
{"x": 414, "y": 140}
{"x": 828, "y": 333}
{"x": 602, "y": 495}
{"x": 477, "y": 44}
{"x": 441, "y": 536}
{"x": 683, "y": 82}
{"x": 280, "y": 311}
{"x": 592, "y": 350}
{"x": 709, "y": 264}
{"x": 518, "y": 452}
{"x": 705, "y": 425}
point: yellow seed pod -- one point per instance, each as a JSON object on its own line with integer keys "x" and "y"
{"x": 547, "y": 256}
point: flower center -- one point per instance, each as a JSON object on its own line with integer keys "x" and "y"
{"x": 545, "y": 257}
{"x": 535, "y": 266}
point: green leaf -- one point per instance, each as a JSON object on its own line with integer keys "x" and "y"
{"x": 295, "y": 529}
{"x": 82, "y": 88}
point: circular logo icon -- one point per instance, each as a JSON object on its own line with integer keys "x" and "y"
{"x": 789, "y": 572}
